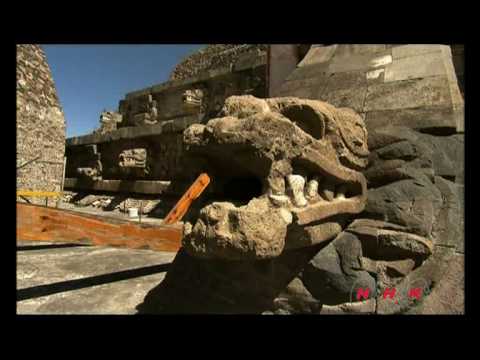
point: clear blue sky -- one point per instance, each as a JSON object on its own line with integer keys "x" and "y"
{"x": 90, "y": 78}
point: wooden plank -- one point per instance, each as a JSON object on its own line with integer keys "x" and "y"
{"x": 181, "y": 207}
{"x": 50, "y": 224}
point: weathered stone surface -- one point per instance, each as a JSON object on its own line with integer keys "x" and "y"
{"x": 137, "y": 186}
{"x": 303, "y": 236}
{"x": 318, "y": 54}
{"x": 399, "y": 244}
{"x": 219, "y": 286}
{"x": 448, "y": 296}
{"x": 40, "y": 124}
{"x": 296, "y": 299}
{"x": 399, "y": 267}
{"x": 325, "y": 143}
{"x": 255, "y": 231}
{"x": 334, "y": 274}
{"x": 424, "y": 92}
{"x": 414, "y": 67}
{"x": 418, "y": 49}
{"x": 299, "y": 185}
{"x": 448, "y": 228}
{"x": 311, "y": 88}
{"x": 404, "y": 165}
{"x": 72, "y": 279}
{"x": 108, "y": 122}
{"x": 109, "y": 203}
{"x": 424, "y": 277}
{"x": 385, "y": 172}
{"x": 348, "y": 98}
{"x": 366, "y": 307}
{"x": 448, "y": 154}
{"x": 363, "y": 62}
{"x": 432, "y": 118}
{"x": 87, "y": 200}
{"x": 319, "y": 71}
{"x": 352, "y": 80}
{"x": 411, "y": 85}
{"x": 282, "y": 61}
{"x": 133, "y": 158}
{"x": 211, "y": 57}
{"x": 410, "y": 203}
{"x": 458, "y": 58}
{"x": 347, "y": 50}
{"x": 396, "y": 147}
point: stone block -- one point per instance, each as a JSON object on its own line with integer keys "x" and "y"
{"x": 415, "y": 93}
{"x": 311, "y": 92}
{"x": 312, "y": 87}
{"x": 355, "y": 49}
{"x": 430, "y": 117}
{"x": 414, "y": 67}
{"x": 138, "y": 93}
{"x": 363, "y": 62}
{"x": 316, "y": 55}
{"x": 250, "y": 60}
{"x": 353, "y": 98}
{"x": 351, "y": 80}
{"x": 417, "y": 49}
{"x": 309, "y": 71}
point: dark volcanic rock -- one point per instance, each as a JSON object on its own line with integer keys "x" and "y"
{"x": 425, "y": 277}
{"x": 448, "y": 229}
{"x": 443, "y": 154}
{"x": 334, "y": 274}
{"x": 411, "y": 203}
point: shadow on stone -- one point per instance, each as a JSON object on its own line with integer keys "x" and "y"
{"x": 47, "y": 247}
{"x": 199, "y": 286}
{"x": 69, "y": 285}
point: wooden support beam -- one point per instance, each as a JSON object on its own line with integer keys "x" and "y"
{"x": 40, "y": 223}
{"x": 181, "y": 207}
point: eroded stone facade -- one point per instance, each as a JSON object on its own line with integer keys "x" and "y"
{"x": 40, "y": 123}
{"x": 213, "y": 57}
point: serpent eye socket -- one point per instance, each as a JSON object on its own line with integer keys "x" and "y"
{"x": 306, "y": 118}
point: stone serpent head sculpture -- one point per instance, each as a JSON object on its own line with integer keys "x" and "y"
{"x": 307, "y": 238}
{"x": 306, "y": 154}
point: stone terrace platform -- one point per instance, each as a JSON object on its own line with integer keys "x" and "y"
{"x": 60, "y": 278}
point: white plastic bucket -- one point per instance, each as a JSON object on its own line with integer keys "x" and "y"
{"x": 132, "y": 212}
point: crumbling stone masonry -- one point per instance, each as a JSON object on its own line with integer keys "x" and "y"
{"x": 213, "y": 57}
{"x": 40, "y": 124}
